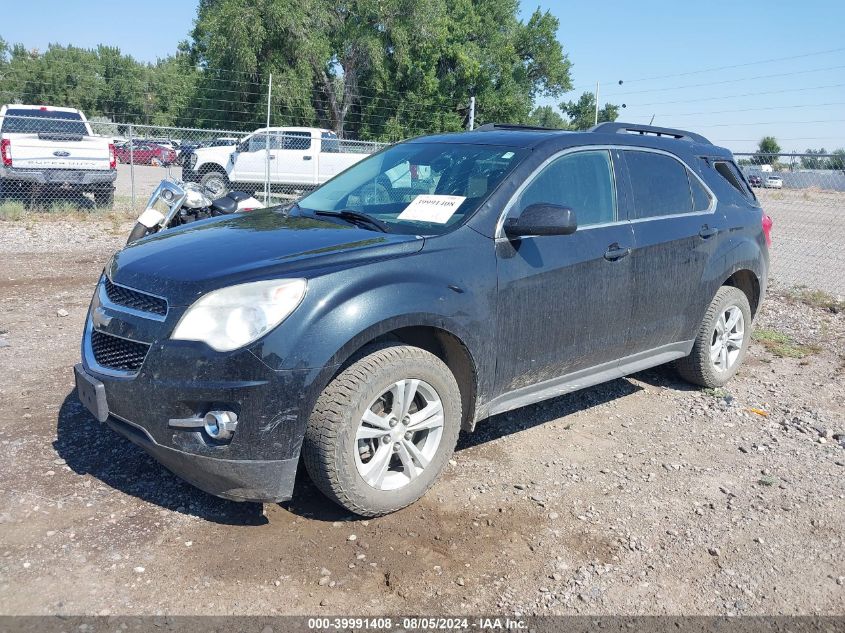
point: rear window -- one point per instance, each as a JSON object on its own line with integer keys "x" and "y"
{"x": 660, "y": 184}
{"x": 25, "y": 121}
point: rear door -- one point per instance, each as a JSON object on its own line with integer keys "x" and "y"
{"x": 675, "y": 234}
{"x": 297, "y": 158}
{"x": 565, "y": 300}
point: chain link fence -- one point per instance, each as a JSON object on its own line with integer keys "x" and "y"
{"x": 55, "y": 160}
{"x": 805, "y": 196}
{"x": 52, "y": 159}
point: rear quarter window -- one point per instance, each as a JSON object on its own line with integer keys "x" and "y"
{"x": 730, "y": 172}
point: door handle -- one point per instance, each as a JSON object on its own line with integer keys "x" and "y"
{"x": 615, "y": 252}
{"x": 707, "y": 232}
{"x": 306, "y": 158}
{"x": 271, "y": 157}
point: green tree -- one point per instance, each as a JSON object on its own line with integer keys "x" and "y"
{"x": 767, "y": 151}
{"x": 837, "y": 161}
{"x": 547, "y": 116}
{"x": 376, "y": 69}
{"x": 582, "y": 113}
{"x": 813, "y": 160}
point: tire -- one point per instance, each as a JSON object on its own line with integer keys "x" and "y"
{"x": 210, "y": 182}
{"x": 699, "y": 367}
{"x": 138, "y": 231}
{"x": 334, "y": 453}
{"x": 104, "y": 198}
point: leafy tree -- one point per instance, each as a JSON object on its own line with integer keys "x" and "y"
{"x": 547, "y": 116}
{"x": 767, "y": 151}
{"x": 838, "y": 160}
{"x": 377, "y": 69}
{"x": 812, "y": 161}
{"x": 582, "y": 113}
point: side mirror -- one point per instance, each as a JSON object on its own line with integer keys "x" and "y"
{"x": 542, "y": 219}
{"x": 241, "y": 147}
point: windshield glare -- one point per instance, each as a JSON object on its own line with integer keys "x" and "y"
{"x": 417, "y": 187}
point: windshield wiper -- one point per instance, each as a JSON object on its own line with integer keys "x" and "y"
{"x": 356, "y": 217}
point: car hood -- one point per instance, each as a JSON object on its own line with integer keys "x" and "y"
{"x": 183, "y": 263}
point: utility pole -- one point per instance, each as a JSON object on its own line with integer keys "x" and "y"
{"x": 267, "y": 146}
{"x": 597, "y": 104}
{"x": 471, "y": 124}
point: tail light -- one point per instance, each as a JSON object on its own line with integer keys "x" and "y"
{"x": 112, "y": 157}
{"x": 767, "y": 229}
{"x": 5, "y": 152}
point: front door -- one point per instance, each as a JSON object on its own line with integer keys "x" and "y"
{"x": 251, "y": 164}
{"x": 565, "y": 300}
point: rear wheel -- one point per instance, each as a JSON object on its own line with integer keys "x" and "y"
{"x": 383, "y": 430}
{"x": 722, "y": 340}
{"x": 104, "y": 198}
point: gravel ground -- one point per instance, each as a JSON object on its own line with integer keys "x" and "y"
{"x": 639, "y": 496}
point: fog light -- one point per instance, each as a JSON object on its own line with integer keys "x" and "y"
{"x": 220, "y": 425}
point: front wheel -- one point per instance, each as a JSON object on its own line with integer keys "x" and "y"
{"x": 216, "y": 184}
{"x": 722, "y": 340}
{"x": 138, "y": 231}
{"x": 383, "y": 430}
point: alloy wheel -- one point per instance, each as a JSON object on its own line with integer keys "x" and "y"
{"x": 399, "y": 434}
{"x": 727, "y": 339}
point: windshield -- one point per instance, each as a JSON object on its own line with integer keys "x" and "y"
{"x": 423, "y": 188}
{"x": 26, "y": 121}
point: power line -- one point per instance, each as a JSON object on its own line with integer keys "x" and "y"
{"x": 747, "y": 94}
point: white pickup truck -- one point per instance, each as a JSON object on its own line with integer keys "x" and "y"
{"x": 46, "y": 151}
{"x": 297, "y": 158}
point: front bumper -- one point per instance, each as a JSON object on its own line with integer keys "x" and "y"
{"x": 72, "y": 177}
{"x": 178, "y": 380}
{"x": 234, "y": 479}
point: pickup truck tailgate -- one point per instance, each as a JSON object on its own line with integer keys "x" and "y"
{"x": 58, "y": 151}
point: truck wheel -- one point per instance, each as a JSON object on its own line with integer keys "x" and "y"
{"x": 216, "y": 183}
{"x": 104, "y": 198}
{"x": 722, "y": 340}
{"x": 383, "y": 429}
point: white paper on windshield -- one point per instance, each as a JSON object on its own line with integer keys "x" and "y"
{"x": 431, "y": 208}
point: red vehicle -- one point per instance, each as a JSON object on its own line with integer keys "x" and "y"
{"x": 145, "y": 153}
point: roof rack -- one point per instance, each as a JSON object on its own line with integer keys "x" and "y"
{"x": 651, "y": 130}
{"x": 489, "y": 127}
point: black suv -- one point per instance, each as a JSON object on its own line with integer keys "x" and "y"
{"x": 434, "y": 284}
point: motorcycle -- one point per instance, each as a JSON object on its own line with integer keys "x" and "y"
{"x": 175, "y": 203}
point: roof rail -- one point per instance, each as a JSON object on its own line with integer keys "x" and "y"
{"x": 634, "y": 128}
{"x": 489, "y": 127}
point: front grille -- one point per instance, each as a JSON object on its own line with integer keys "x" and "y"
{"x": 117, "y": 353}
{"x": 136, "y": 300}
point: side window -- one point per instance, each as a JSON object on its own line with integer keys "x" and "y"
{"x": 730, "y": 172}
{"x": 659, "y": 183}
{"x": 330, "y": 143}
{"x": 582, "y": 181}
{"x": 261, "y": 141}
{"x": 700, "y": 197}
{"x": 297, "y": 140}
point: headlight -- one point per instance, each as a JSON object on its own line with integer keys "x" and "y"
{"x": 230, "y": 318}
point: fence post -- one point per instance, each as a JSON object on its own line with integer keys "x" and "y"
{"x": 132, "y": 164}
{"x": 267, "y": 146}
{"x": 471, "y": 125}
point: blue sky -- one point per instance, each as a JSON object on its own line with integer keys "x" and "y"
{"x": 662, "y": 51}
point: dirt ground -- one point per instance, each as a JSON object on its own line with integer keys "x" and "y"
{"x": 640, "y": 496}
